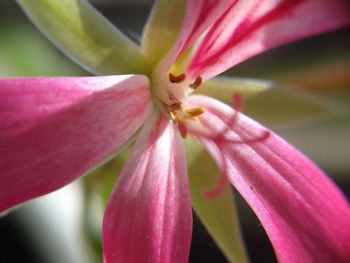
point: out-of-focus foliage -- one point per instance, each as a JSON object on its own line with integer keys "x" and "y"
{"x": 24, "y": 52}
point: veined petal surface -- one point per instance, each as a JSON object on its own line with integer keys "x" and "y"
{"x": 53, "y": 130}
{"x": 251, "y": 27}
{"x": 198, "y": 16}
{"x": 304, "y": 214}
{"x": 148, "y": 217}
{"x": 86, "y": 36}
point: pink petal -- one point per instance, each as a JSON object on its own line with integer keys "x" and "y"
{"x": 148, "y": 217}
{"x": 303, "y": 212}
{"x": 199, "y": 16}
{"x": 53, "y": 130}
{"x": 251, "y": 27}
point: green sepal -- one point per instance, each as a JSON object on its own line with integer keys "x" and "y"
{"x": 271, "y": 103}
{"x": 86, "y": 36}
{"x": 162, "y": 28}
{"x": 218, "y": 215}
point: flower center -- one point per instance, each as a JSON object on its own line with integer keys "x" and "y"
{"x": 172, "y": 93}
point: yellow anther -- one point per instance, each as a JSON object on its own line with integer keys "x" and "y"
{"x": 173, "y": 117}
{"x": 177, "y": 78}
{"x": 194, "y": 112}
{"x": 196, "y": 83}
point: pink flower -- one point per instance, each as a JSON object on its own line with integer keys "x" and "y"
{"x": 53, "y": 130}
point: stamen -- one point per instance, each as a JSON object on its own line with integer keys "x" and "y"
{"x": 182, "y": 129}
{"x": 177, "y": 78}
{"x": 194, "y": 112}
{"x": 173, "y": 117}
{"x": 196, "y": 83}
{"x": 232, "y": 125}
{"x": 176, "y": 106}
{"x": 181, "y": 116}
{"x": 237, "y": 102}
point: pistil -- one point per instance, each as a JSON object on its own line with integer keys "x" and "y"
{"x": 172, "y": 94}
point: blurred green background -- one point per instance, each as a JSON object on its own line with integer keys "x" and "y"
{"x": 320, "y": 65}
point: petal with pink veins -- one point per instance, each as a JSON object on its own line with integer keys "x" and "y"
{"x": 203, "y": 14}
{"x": 148, "y": 216}
{"x": 304, "y": 214}
{"x": 53, "y": 130}
{"x": 199, "y": 16}
{"x": 251, "y": 27}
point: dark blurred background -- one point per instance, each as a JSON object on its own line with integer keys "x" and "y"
{"x": 51, "y": 229}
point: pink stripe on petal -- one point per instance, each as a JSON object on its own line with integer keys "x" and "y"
{"x": 303, "y": 212}
{"x": 206, "y": 13}
{"x": 148, "y": 217}
{"x": 251, "y": 27}
{"x": 53, "y": 130}
{"x": 199, "y": 16}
